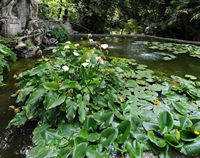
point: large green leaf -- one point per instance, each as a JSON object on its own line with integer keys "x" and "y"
{"x": 124, "y": 129}
{"x": 108, "y": 136}
{"x": 80, "y": 150}
{"x": 165, "y": 121}
{"x": 33, "y": 102}
{"x": 71, "y": 108}
{"x": 192, "y": 148}
{"x": 53, "y": 99}
{"x": 156, "y": 140}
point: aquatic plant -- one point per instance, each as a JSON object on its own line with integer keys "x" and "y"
{"x": 6, "y": 54}
{"x": 192, "y": 50}
{"x": 90, "y": 106}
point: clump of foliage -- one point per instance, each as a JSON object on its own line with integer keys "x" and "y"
{"x": 87, "y": 106}
{"x": 6, "y": 54}
{"x": 60, "y": 33}
{"x": 192, "y": 50}
{"x": 10, "y": 41}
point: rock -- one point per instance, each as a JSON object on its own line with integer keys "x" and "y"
{"x": 21, "y": 45}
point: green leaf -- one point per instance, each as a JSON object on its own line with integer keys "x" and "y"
{"x": 52, "y": 86}
{"x": 166, "y": 153}
{"x": 53, "y": 99}
{"x": 80, "y": 150}
{"x": 185, "y": 122}
{"x": 68, "y": 84}
{"x": 156, "y": 140}
{"x": 71, "y": 108}
{"x": 165, "y": 121}
{"x": 124, "y": 129}
{"x": 19, "y": 119}
{"x": 171, "y": 140}
{"x": 148, "y": 126}
{"x": 108, "y": 136}
{"x": 135, "y": 150}
{"x": 104, "y": 118}
{"x": 192, "y": 148}
{"x": 32, "y": 102}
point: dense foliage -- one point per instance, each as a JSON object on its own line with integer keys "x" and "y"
{"x": 6, "y": 54}
{"x": 88, "y": 106}
{"x": 170, "y": 18}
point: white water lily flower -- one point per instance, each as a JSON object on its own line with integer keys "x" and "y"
{"x": 85, "y": 64}
{"x": 68, "y": 42}
{"x": 66, "y": 47}
{"x": 104, "y": 46}
{"x": 76, "y": 54}
{"x": 65, "y": 68}
{"x": 76, "y": 45}
{"x": 100, "y": 59}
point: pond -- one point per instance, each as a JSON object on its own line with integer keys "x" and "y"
{"x": 15, "y": 142}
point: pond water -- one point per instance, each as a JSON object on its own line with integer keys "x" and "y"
{"x": 15, "y": 142}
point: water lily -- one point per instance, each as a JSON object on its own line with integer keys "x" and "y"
{"x": 76, "y": 45}
{"x": 65, "y": 68}
{"x": 76, "y": 54}
{"x": 66, "y": 47}
{"x": 100, "y": 59}
{"x": 85, "y": 64}
{"x": 104, "y": 46}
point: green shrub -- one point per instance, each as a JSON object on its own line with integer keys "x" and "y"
{"x": 6, "y": 54}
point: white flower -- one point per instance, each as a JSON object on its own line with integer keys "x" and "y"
{"x": 91, "y": 40}
{"x": 87, "y": 60}
{"x": 100, "y": 59}
{"x": 65, "y": 68}
{"x": 104, "y": 46}
{"x": 89, "y": 35}
{"x": 85, "y": 64}
{"x": 76, "y": 54}
{"x": 68, "y": 42}
{"x": 66, "y": 47}
{"x": 76, "y": 45}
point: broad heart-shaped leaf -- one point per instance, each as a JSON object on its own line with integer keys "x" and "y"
{"x": 53, "y": 99}
{"x": 104, "y": 118}
{"x": 156, "y": 140}
{"x": 68, "y": 84}
{"x": 192, "y": 148}
{"x": 32, "y": 102}
{"x": 52, "y": 86}
{"x": 71, "y": 108}
{"x": 165, "y": 121}
{"x": 185, "y": 122}
{"x": 19, "y": 119}
{"x": 108, "y": 136}
{"x": 124, "y": 129}
{"x": 80, "y": 150}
